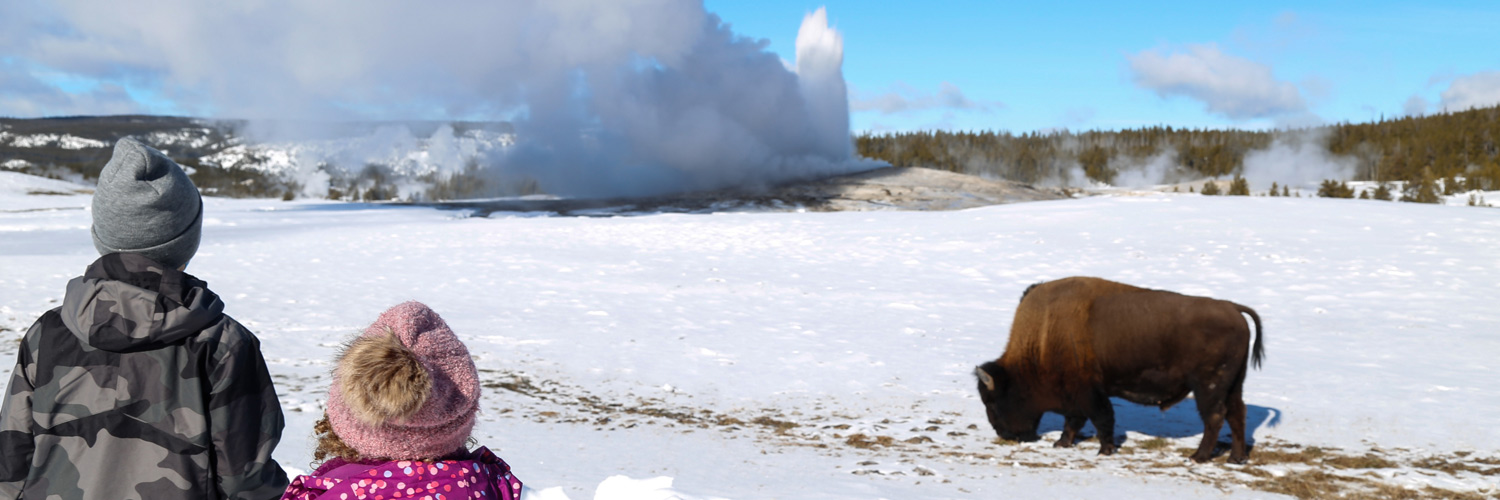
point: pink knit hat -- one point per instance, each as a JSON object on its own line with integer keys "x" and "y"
{"x": 405, "y": 389}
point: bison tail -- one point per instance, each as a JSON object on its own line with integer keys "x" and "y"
{"x": 1257, "y": 351}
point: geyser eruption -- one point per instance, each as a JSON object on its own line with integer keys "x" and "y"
{"x": 726, "y": 113}
{"x": 608, "y": 97}
{"x": 820, "y": 71}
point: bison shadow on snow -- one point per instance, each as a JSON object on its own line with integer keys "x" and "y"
{"x": 1179, "y": 421}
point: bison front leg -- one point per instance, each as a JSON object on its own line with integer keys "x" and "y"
{"x": 1070, "y": 431}
{"x": 1103, "y": 415}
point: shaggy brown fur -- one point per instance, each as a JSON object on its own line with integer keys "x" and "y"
{"x": 1050, "y": 337}
{"x": 382, "y": 380}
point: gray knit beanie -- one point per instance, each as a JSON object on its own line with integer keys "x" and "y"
{"x": 146, "y": 204}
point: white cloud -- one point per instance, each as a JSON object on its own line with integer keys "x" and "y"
{"x": 1473, "y": 91}
{"x": 386, "y": 59}
{"x": 905, "y": 99}
{"x": 23, "y": 95}
{"x": 1228, "y": 85}
{"x": 1415, "y": 106}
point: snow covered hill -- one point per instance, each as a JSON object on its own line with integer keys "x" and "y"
{"x": 229, "y": 157}
{"x": 829, "y": 355}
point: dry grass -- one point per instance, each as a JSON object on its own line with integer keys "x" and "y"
{"x": 519, "y": 385}
{"x": 1390, "y": 492}
{"x": 1306, "y": 485}
{"x": 1444, "y": 464}
{"x": 1154, "y": 444}
{"x": 780, "y": 426}
{"x": 864, "y": 442}
{"x": 1292, "y": 455}
{"x": 1366, "y": 461}
{"x": 1319, "y": 483}
{"x": 1260, "y": 473}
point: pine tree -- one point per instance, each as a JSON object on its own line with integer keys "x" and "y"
{"x": 1211, "y": 188}
{"x": 1273, "y": 190}
{"x": 1239, "y": 186}
{"x": 1383, "y": 192}
{"x": 1095, "y": 161}
{"x": 1335, "y": 189}
{"x": 1424, "y": 190}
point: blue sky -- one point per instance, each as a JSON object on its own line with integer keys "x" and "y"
{"x": 969, "y": 65}
{"x": 1067, "y": 64}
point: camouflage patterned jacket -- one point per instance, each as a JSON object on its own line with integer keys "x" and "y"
{"x": 139, "y": 386}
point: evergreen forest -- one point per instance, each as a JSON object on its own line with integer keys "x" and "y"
{"x": 1455, "y": 145}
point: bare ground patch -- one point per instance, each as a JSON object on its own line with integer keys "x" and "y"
{"x": 916, "y": 447}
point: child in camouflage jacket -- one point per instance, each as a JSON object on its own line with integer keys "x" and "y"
{"x": 139, "y": 386}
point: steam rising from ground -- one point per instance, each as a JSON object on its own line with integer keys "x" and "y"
{"x": 1300, "y": 159}
{"x": 1294, "y": 158}
{"x": 1157, "y": 169}
{"x": 608, "y": 97}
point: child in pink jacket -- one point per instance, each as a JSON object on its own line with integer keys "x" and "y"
{"x": 399, "y": 415}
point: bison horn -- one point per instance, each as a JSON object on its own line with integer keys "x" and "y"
{"x": 984, "y": 376}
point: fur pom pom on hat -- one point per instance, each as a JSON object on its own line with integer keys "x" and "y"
{"x": 404, "y": 389}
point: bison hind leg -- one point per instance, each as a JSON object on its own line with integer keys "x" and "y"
{"x": 1212, "y": 411}
{"x": 1236, "y": 406}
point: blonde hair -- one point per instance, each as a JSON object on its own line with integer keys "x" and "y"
{"x": 330, "y": 445}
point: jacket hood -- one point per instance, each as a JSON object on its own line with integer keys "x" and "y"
{"x": 126, "y": 302}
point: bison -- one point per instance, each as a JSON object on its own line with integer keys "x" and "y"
{"x": 1078, "y": 341}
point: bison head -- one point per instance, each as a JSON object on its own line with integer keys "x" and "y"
{"x": 1005, "y": 404}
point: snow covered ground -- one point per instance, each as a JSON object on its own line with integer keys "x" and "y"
{"x": 829, "y": 355}
{"x": 20, "y": 192}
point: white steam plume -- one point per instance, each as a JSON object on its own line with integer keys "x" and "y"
{"x": 608, "y": 96}
{"x": 726, "y": 113}
{"x": 1160, "y": 168}
{"x": 1297, "y": 160}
